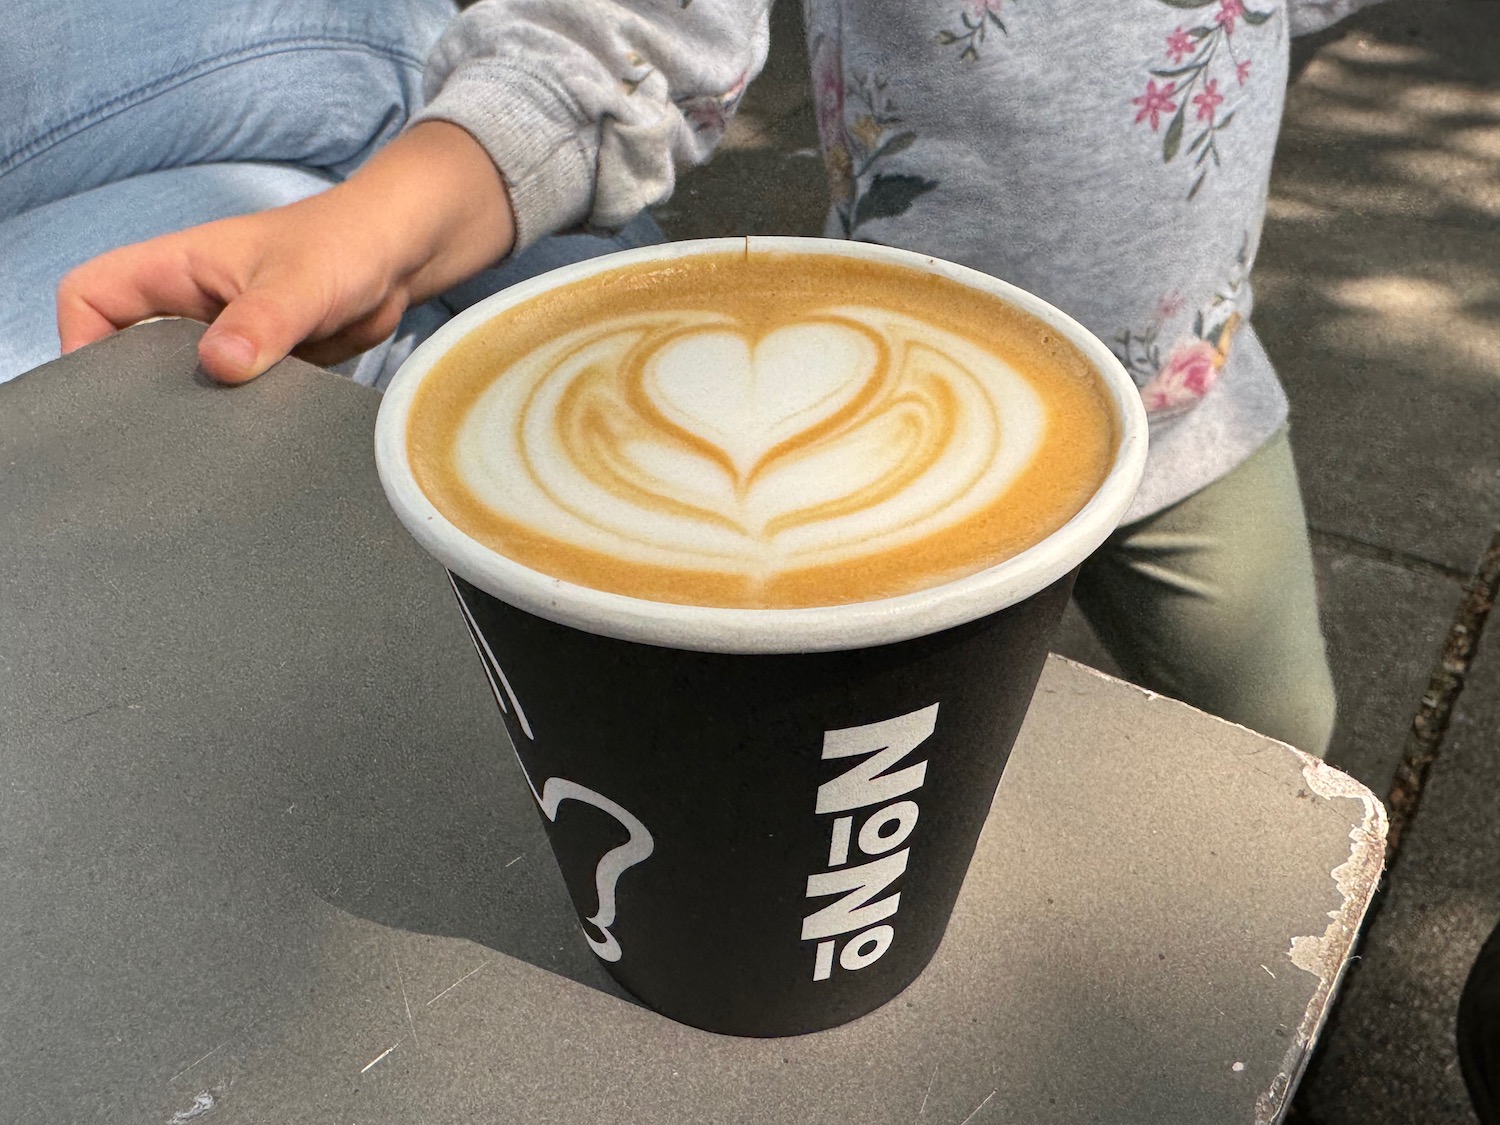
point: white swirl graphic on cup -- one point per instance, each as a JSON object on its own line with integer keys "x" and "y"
{"x": 689, "y": 439}
{"x": 555, "y": 790}
{"x": 612, "y": 864}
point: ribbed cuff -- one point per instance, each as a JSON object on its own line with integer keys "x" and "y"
{"x": 531, "y": 135}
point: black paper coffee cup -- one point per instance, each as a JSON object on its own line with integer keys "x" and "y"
{"x": 763, "y": 817}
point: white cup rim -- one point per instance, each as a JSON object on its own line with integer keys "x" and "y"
{"x": 716, "y": 629}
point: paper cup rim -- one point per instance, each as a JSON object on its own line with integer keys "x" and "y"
{"x": 726, "y": 630}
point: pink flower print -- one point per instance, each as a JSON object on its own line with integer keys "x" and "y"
{"x": 1194, "y": 62}
{"x": 1229, "y": 11}
{"x": 828, "y": 89}
{"x": 1170, "y": 305}
{"x": 1208, "y": 100}
{"x": 978, "y": 9}
{"x": 1189, "y": 373}
{"x": 1155, "y": 102}
{"x": 828, "y": 97}
{"x": 1179, "y": 45}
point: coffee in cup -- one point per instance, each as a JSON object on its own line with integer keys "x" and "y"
{"x": 761, "y": 431}
{"x": 761, "y": 544}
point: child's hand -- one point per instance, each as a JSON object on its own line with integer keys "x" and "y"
{"x": 267, "y": 282}
{"x": 329, "y": 276}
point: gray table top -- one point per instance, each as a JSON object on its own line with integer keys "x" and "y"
{"x": 265, "y": 857}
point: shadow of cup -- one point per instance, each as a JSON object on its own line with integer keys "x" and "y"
{"x": 415, "y": 814}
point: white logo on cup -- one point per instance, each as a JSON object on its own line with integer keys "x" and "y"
{"x": 612, "y": 864}
{"x": 871, "y": 782}
{"x": 556, "y": 790}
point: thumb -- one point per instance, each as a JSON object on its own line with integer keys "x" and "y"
{"x": 256, "y": 330}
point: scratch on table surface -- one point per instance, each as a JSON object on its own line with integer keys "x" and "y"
{"x": 980, "y": 1106}
{"x": 380, "y": 1056}
{"x": 1325, "y": 955}
{"x": 203, "y": 1104}
{"x": 456, "y": 983}
{"x": 518, "y": 859}
{"x": 921, "y": 1109}
{"x": 85, "y": 714}
{"x": 190, "y": 1065}
{"x": 410, "y": 1023}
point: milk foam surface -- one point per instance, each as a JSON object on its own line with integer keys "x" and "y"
{"x": 695, "y": 444}
{"x": 760, "y": 430}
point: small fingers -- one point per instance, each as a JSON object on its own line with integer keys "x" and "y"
{"x": 355, "y": 338}
{"x": 263, "y": 326}
{"x": 124, "y": 287}
{"x": 78, "y": 322}
{"x": 257, "y": 329}
{"x": 265, "y": 283}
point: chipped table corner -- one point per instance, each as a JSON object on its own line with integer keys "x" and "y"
{"x": 1355, "y": 878}
{"x": 1327, "y": 955}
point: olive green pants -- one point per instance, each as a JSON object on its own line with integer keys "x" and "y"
{"x": 1212, "y": 601}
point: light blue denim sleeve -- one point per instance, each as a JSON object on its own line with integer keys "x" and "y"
{"x": 98, "y": 91}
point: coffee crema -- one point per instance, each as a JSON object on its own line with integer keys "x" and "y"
{"x": 761, "y": 430}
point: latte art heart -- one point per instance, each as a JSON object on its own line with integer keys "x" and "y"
{"x": 698, "y": 445}
{"x": 760, "y": 430}
{"x": 744, "y": 398}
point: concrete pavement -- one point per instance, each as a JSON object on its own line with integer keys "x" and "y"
{"x": 1379, "y": 299}
{"x": 1378, "y": 296}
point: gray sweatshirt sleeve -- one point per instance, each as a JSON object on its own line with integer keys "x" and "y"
{"x": 589, "y": 107}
